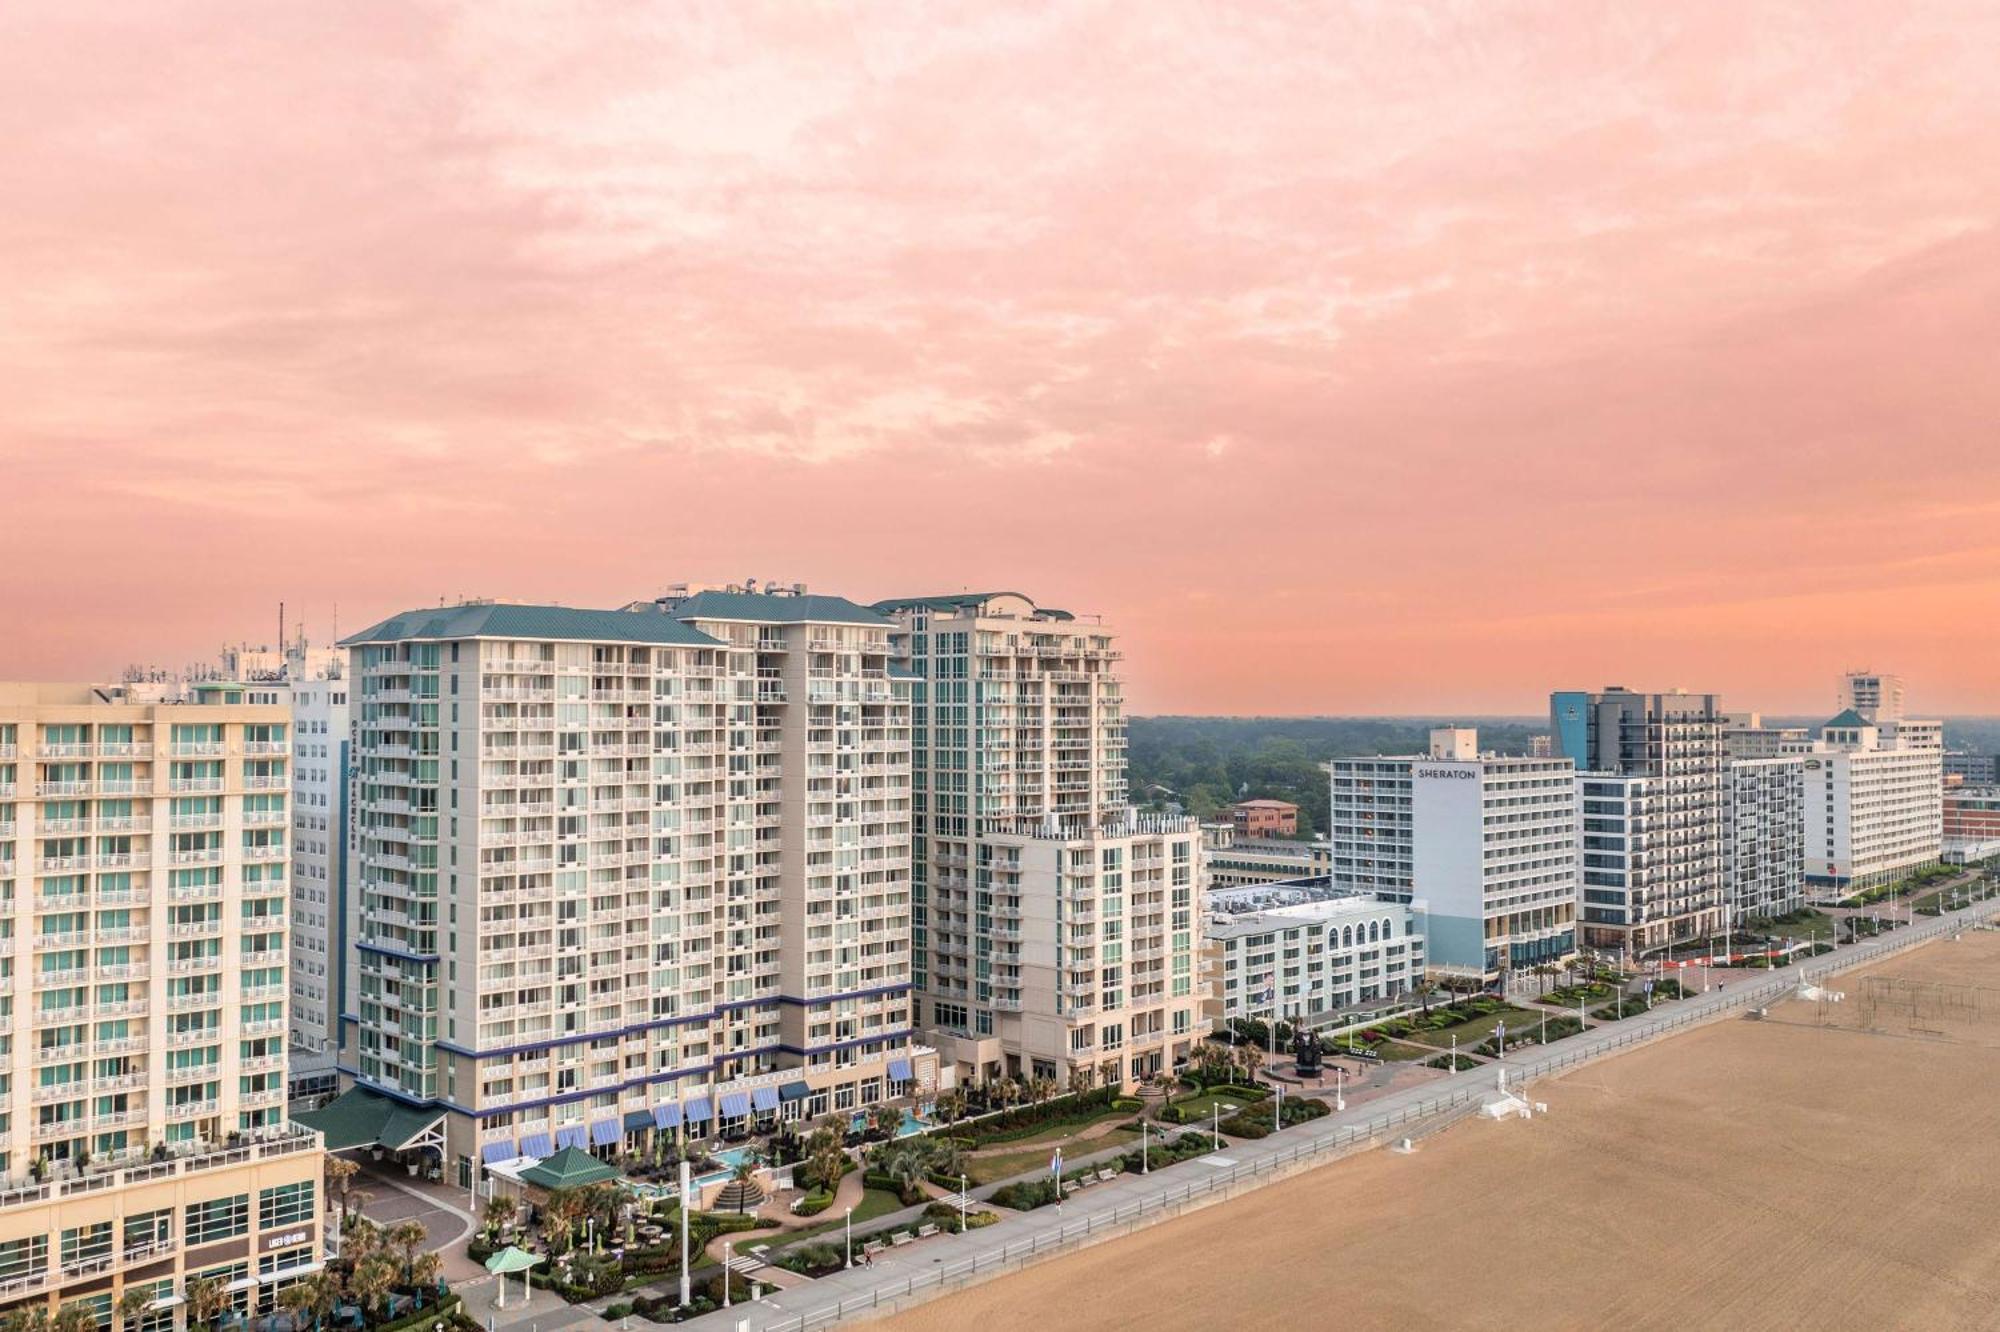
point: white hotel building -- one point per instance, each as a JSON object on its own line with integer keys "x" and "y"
{"x": 1488, "y": 841}
{"x": 626, "y": 872}
{"x": 1763, "y": 836}
{"x": 1874, "y": 803}
{"x": 1313, "y": 958}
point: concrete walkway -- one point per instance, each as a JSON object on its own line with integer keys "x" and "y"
{"x": 899, "y": 1277}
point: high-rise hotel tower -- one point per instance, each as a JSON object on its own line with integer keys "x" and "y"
{"x": 1056, "y": 929}
{"x": 625, "y": 872}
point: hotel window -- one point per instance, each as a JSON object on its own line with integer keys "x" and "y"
{"x": 218, "y": 1219}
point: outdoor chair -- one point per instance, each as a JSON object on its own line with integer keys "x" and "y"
{"x": 926, "y": 1230}
{"x": 900, "y": 1238}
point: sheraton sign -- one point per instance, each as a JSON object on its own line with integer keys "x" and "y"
{"x": 1448, "y": 774}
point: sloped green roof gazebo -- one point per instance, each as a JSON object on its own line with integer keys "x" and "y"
{"x": 570, "y": 1168}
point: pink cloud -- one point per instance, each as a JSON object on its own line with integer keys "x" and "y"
{"x": 1545, "y": 344}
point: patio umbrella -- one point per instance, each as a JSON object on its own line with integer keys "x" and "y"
{"x": 508, "y": 1261}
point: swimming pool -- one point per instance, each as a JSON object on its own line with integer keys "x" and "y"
{"x": 914, "y": 1121}
{"x": 730, "y": 1158}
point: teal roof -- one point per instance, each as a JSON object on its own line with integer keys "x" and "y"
{"x": 1850, "y": 718}
{"x": 544, "y": 622}
{"x": 570, "y": 1168}
{"x": 769, "y": 609}
{"x": 362, "y": 1118}
{"x": 966, "y": 601}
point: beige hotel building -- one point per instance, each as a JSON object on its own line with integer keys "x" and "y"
{"x": 624, "y": 872}
{"x": 143, "y": 895}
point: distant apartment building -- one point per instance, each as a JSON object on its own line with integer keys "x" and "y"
{"x": 1651, "y": 772}
{"x": 1233, "y": 862}
{"x": 1971, "y": 823}
{"x": 1972, "y": 769}
{"x": 1056, "y": 929}
{"x": 1874, "y": 804}
{"x": 619, "y": 873}
{"x": 1873, "y": 696}
{"x": 1745, "y": 735}
{"x": 1313, "y": 958}
{"x": 320, "y": 792}
{"x": 1764, "y": 836}
{"x": 143, "y": 886}
{"x": 1265, "y": 818}
{"x": 1488, "y": 841}
{"x": 1541, "y": 745}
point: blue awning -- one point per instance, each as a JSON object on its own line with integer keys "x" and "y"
{"x": 638, "y": 1120}
{"x": 764, "y": 1098}
{"x": 666, "y": 1116}
{"x": 497, "y": 1151}
{"x": 735, "y": 1105}
{"x": 899, "y": 1070}
{"x": 604, "y": 1133}
{"x": 697, "y": 1110}
{"x": 537, "y": 1146}
{"x": 573, "y": 1136}
{"x": 794, "y": 1091}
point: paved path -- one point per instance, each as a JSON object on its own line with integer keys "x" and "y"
{"x": 933, "y": 1266}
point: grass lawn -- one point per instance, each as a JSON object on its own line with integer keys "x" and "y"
{"x": 1800, "y": 924}
{"x": 1203, "y": 1105}
{"x": 874, "y": 1203}
{"x": 1473, "y": 1032}
{"x": 1050, "y": 1134}
{"x": 992, "y": 1169}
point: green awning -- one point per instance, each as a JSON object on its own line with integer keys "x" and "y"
{"x": 362, "y": 1118}
{"x": 511, "y": 1260}
{"x": 570, "y": 1168}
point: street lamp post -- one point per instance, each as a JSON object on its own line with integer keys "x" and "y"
{"x": 1340, "y": 1079}
{"x": 726, "y": 1283}
{"x": 1145, "y": 1164}
{"x": 961, "y": 1204}
{"x": 850, "y": 1237}
{"x": 687, "y": 1215}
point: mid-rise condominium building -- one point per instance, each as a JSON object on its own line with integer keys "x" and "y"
{"x": 1745, "y": 735}
{"x": 1872, "y": 696}
{"x": 1314, "y": 958}
{"x": 1238, "y": 862}
{"x": 1874, "y": 804}
{"x": 1056, "y": 928}
{"x": 1971, "y": 823}
{"x": 1651, "y": 770}
{"x": 1264, "y": 818}
{"x": 626, "y": 872}
{"x": 143, "y": 1138}
{"x": 1764, "y": 836}
{"x": 1488, "y": 841}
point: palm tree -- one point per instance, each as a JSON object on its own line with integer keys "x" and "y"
{"x": 1007, "y": 1091}
{"x": 323, "y": 1296}
{"x": 826, "y": 1163}
{"x": 885, "y": 1119}
{"x": 26, "y": 1318}
{"x": 499, "y": 1211}
{"x": 425, "y": 1271}
{"x": 76, "y": 1316}
{"x": 1547, "y": 971}
{"x": 559, "y": 1217}
{"x": 951, "y": 1106}
{"x": 374, "y": 1276}
{"x": 407, "y": 1237}
{"x": 296, "y": 1300}
{"x": 132, "y": 1306}
{"x": 362, "y": 1238}
{"x": 1081, "y": 1079}
{"x": 742, "y": 1173}
{"x": 1041, "y": 1088}
{"x": 206, "y": 1299}
{"x": 340, "y": 1173}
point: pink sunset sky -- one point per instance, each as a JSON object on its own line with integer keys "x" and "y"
{"x": 1382, "y": 357}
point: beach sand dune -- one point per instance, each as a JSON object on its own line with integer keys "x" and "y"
{"x": 1777, "y": 1174}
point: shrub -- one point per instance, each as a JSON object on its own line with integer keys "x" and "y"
{"x": 815, "y": 1202}
{"x": 1025, "y": 1195}
{"x": 614, "y": 1312}
{"x": 1127, "y": 1103}
{"x": 816, "y": 1259}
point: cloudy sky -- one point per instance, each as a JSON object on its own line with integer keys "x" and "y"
{"x": 1368, "y": 357}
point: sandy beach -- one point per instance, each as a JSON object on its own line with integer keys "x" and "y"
{"x": 1795, "y": 1172}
